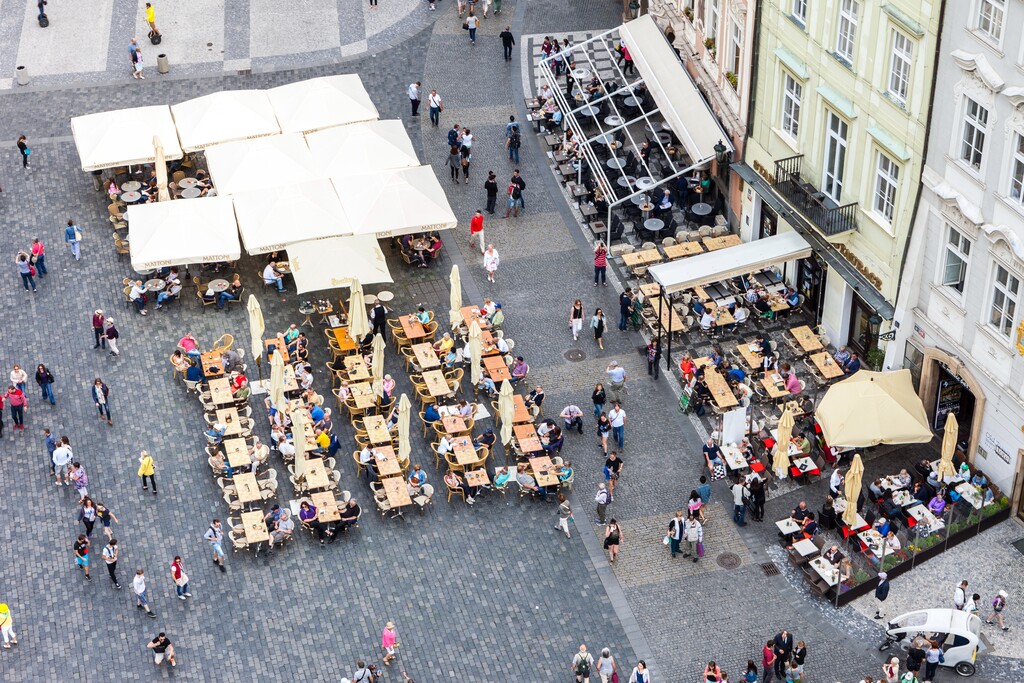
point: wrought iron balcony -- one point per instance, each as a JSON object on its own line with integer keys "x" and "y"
{"x": 829, "y": 217}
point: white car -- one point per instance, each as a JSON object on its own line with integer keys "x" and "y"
{"x": 957, "y": 633}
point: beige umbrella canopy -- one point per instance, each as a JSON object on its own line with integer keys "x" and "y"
{"x": 871, "y": 408}
{"x": 161, "y": 171}
{"x": 455, "y": 300}
{"x": 852, "y": 490}
{"x": 475, "y": 351}
{"x": 946, "y": 468}
{"x": 507, "y": 410}
{"x": 299, "y": 427}
{"x": 784, "y": 434}
{"x": 277, "y": 381}
{"x": 256, "y": 329}
{"x": 358, "y": 323}
{"x": 404, "y": 410}
{"x": 377, "y": 367}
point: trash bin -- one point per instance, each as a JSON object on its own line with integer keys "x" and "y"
{"x": 162, "y": 65}
{"x": 22, "y": 73}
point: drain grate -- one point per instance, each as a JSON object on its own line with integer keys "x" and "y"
{"x": 1019, "y": 545}
{"x": 770, "y": 569}
{"x": 728, "y": 560}
{"x": 574, "y": 355}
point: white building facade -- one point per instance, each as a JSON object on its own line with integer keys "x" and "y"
{"x": 959, "y": 313}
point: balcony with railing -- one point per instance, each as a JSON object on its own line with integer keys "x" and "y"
{"x": 818, "y": 207}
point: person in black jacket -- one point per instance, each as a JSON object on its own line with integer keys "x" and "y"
{"x": 507, "y": 41}
{"x": 881, "y": 593}
{"x": 491, "y": 185}
{"x": 783, "y": 649}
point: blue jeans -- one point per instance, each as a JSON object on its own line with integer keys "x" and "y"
{"x": 435, "y": 115}
{"x": 623, "y": 318}
{"x": 18, "y": 415}
{"x": 739, "y": 512}
{"x": 224, "y": 297}
{"x": 619, "y": 434}
{"x": 472, "y": 35}
{"x": 104, "y": 409}
{"x": 48, "y": 393}
{"x": 513, "y": 154}
{"x": 41, "y": 264}
{"x": 598, "y": 409}
{"x": 599, "y": 274}
{"x": 26, "y": 279}
{"x": 164, "y": 296}
{"x": 278, "y": 282}
{"x": 181, "y": 590}
{"x": 76, "y": 250}
{"x": 140, "y": 304}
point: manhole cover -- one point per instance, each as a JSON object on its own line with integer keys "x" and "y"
{"x": 770, "y": 569}
{"x": 1019, "y": 545}
{"x": 575, "y": 355}
{"x": 728, "y": 560}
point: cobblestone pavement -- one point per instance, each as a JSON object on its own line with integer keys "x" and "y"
{"x": 486, "y": 593}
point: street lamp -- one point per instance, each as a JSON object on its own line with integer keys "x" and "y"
{"x": 721, "y": 152}
{"x": 875, "y": 321}
{"x": 634, "y": 9}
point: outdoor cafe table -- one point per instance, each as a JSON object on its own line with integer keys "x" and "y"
{"x": 290, "y": 384}
{"x": 357, "y": 372}
{"x": 720, "y": 390}
{"x": 237, "y": 452}
{"x": 721, "y": 314}
{"x": 640, "y": 258}
{"x": 774, "y": 391}
{"x": 377, "y": 429}
{"x": 326, "y": 504}
{"x": 826, "y": 570}
{"x": 471, "y": 313}
{"x": 683, "y": 249}
{"x": 254, "y": 527}
{"x": 923, "y": 515}
{"x": 412, "y": 327}
{"x": 669, "y": 319}
{"x": 805, "y": 547}
{"x": 477, "y": 478}
{"x": 807, "y": 340}
{"x": 396, "y": 491}
{"x": 277, "y": 344}
{"x": 496, "y": 368}
{"x": 315, "y": 474}
{"x": 526, "y": 437}
{"x": 387, "y": 462}
{"x": 345, "y": 342}
{"x": 426, "y": 357}
{"x": 734, "y": 458}
{"x": 874, "y": 541}
{"x": 651, "y": 289}
{"x": 544, "y": 471}
{"x": 220, "y": 391}
{"x": 805, "y": 465}
{"x": 716, "y": 243}
{"x": 229, "y": 416}
{"x": 522, "y": 414}
{"x": 462, "y": 448}
{"x": 454, "y": 424}
{"x": 436, "y": 383}
{"x": 751, "y": 353}
{"x": 970, "y": 493}
{"x": 787, "y": 526}
{"x": 212, "y": 364}
{"x": 362, "y": 394}
{"x": 155, "y": 285}
{"x": 247, "y": 488}
{"x": 826, "y": 365}
{"x": 859, "y": 522}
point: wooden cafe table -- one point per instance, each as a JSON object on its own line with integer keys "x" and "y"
{"x": 326, "y": 506}
{"x": 362, "y": 394}
{"x": 716, "y": 243}
{"x": 290, "y": 383}
{"x": 807, "y": 340}
{"x": 477, "y": 478}
{"x": 496, "y": 368}
{"x": 426, "y": 357}
{"x": 826, "y": 365}
{"x": 544, "y": 471}
{"x": 237, "y": 453}
{"x": 650, "y": 289}
{"x": 229, "y": 416}
{"x": 412, "y": 327}
{"x": 357, "y": 372}
{"x": 526, "y": 437}
{"x": 220, "y": 391}
{"x": 396, "y": 491}
{"x": 720, "y": 390}
{"x": 254, "y": 527}
{"x": 471, "y": 313}
{"x": 277, "y": 343}
{"x": 436, "y": 383}
{"x": 315, "y": 474}
{"x": 522, "y": 414}
{"x": 345, "y": 342}
{"x": 377, "y": 430}
{"x": 751, "y": 353}
{"x": 642, "y": 258}
{"x": 683, "y": 249}
{"x": 454, "y": 424}
{"x": 775, "y": 391}
{"x": 462, "y": 448}
{"x": 212, "y": 364}
{"x": 387, "y": 462}
{"x": 247, "y": 488}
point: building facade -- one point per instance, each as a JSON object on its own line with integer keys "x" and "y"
{"x": 715, "y": 39}
{"x": 841, "y": 101}
{"x": 960, "y": 330}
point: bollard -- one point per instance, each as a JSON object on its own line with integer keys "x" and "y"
{"x": 22, "y": 73}
{"x": 162, "y": 65}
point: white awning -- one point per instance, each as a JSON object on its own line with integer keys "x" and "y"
{"x": 672, "y": 89}
{"x": 271, "y": 218}
{"x": 272, "y": 161}
{"x": 182, "y": 232}
{"x": 223, "y": 117}
{"x": 360, "y": 148}
{"x": 124, "y": 137}
{"x": 331, "y": 263}
{"x": 748, "y": 257}
{"x": 319, "y": 103}
{"x": 395, "y": 202}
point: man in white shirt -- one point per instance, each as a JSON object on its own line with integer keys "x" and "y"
{"x": 62, "y": 457}
{"x": 287, "y": 449}
{"x": 272, "y": 277}
{"x": 573, "y": 417}
{"x": 616, "y": 380}
{"x": 739, "y": 494}
{"x": 414, "y": 97}
{"x": 436, "y": 104}
{"x": 617, "y": 416}
{"x": 138, "y": 295}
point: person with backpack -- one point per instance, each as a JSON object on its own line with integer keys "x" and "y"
{"x": 998, "y": 605}
{"x": 582, "y": 663}
{"x": 513, "y": 139}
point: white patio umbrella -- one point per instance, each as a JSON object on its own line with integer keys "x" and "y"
{"x": 507, "y": 410}
{"x": 299, "y": 427}
{"x": 317, "y": 103}
{"x": 256, "y": 329}
{"x": 475, "y": 351}
{"x": 377, "y": 366}
{"x": 361, "y": 148}
{"x": 124, "y": 137}
{"x": 455, "y": 297}
{"x": 404, "y": 411}
{"x": 337, "y": 261}
{"x": 277, "y": 381}
{"x": 358, "y": 323}
{"x": 161, "y": 171}
{"x": 224, "y": 116}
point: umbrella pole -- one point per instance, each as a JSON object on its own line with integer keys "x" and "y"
{"x": 259, "y": 367}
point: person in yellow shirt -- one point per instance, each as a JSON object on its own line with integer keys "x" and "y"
{"x": 151, "y": 18}
{"x": 323, "y": 439}
{"x": 7, "y": 626}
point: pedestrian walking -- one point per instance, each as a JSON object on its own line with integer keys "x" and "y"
{"x": 436, "y": 105}
{"x": 617, "y": 416}
{"x": 604, "y": 430}
{"x": 757, "y": 498}
{"x": 625, "y": 308}
{"x": 597, "y": 324}
{"x": 693, "y": 535}
{"x": 454, "y": 162}
{"x": 513, "y": 139}
{"x": 101, "y": 397}
{"x": 81, "y": 549}
{"x": 135, "y": 53}
{"x": 491, "y": 187}
{"x": 389, "y": 643}
{"x": 576, "y": 319}
{"x": 891, "y": 670}
{"x": 25, "y": 151}
{"x": 106, "y": 516}
{"x": 582, "y": 663}
{"x": 602, "y": 498}
{"x": 881, "y": 594}
{"x": 491, "y": 261}
{"x": 973, "y": 603}
{"x": 215, "y": 537}
{"x": 564, "y": 515}
{"x": 378, "y": 319}
{"x": 932, "y": 656}
{"x": 612, "y": 538}
{"x": 739, "y": 501}
{"x": 45, "y": 380}
{"x": 141, "y": 598}
{"x": 51, "y": 445}
{"x": 180, "y": 579}
{"x": 151, "y": 20}
{"x": 80, "y": 480}
{"x": 601, "y": 265}
{"x": 606, "y": 666}
{"x": 654, "y": 357}
{"x": 675, "y": 532}
{"x": 507, "y": 40}
{"x": 26, "y": 270}
{"x": 87, "y": 515}
{"x": 111, "y": 335}
{"x": 613, "y": 465}
{"x": 147, "y": 470}
{"x": 640, "y": 673}
{"x": 598, "y": 398}
{"x": 18, "y": 403}
{"x": 476, "y": 230}
{"x": 162, "y": 649}
{"x": 616, "y": 380}
{"x": 414, "y": 97}
{"x": 472, "y": 23}
{"x": 110, "y": 555}
{"x": 73, "y": 236}
{"x": 61, "y": 458}
{"x": 39, "y": 256}
{"x": 960, "y": 595}
{"x": 7, "y": 627}
{"x": 465, "y": 158}
{"x": 783, "y": 650}
{"x": 768, "y": 661}
{"x": 19, "y": 378}
{"x": 97, "y": 329}
{"x": 998, "y": 605}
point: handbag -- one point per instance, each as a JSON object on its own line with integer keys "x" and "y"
{"x": 465, "y": 25}
{"x": 32, "y": 270}
{"x": 666, "y": 540}
{"x": 615, "y": 677}
{"x": 700, "y": 549}
{"x": 78, "y": 234}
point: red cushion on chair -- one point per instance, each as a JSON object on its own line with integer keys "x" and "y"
{"x": 757, "y": 466}
{"x": 769, "y": 443}
{"x": 816, "y": 472}
{"x": 794, "y": 472}
{"x": 911, "y": 522}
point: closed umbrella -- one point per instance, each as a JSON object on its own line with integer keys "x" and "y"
{"x": 299, "y": 426}
{"x": 256, "y": 329}
{"x": 475, "y": 351}
{"x": 377, "y": 367}
{"x": 277, "y": 381}
{"x": 455, "y": 298}
{"x": 507, "y": 410}
{"x": 783, "y": 436}
{"x": 358, "y": 323}
{"x": 949, "y": 435}
{"x": 404, "y": 410}
{"x": 852, "y": 490}
{"x": 161, "y": 171}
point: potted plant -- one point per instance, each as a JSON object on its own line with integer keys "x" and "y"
{"x": 875, "y": 358}
{"x": 731, "y": 77}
